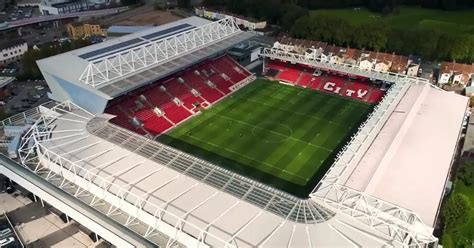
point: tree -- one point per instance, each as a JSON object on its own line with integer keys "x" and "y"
{"x": 292, "y": 13}
{"x": 184, "y": 3}
{"x": 301, "y": 27}
{"x": 377, "y": 38}
{"x": 466, "y": 173}
{"x": 460, "y": 49}
{"x": 457, "y": 211}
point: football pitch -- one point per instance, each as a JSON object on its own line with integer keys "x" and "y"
{"x": 281, "y": 135}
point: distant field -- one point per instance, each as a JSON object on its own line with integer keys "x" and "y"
{"x": 453, "y": 22}
{"x": 281, "y": 135}
{"x": 142, "y": 16}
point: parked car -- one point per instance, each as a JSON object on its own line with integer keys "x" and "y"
{"x": 39, "y": 87}
{"x": 5, "y": 232}
{"x": 2, "y": 103}
{"x": 6, "y": 241}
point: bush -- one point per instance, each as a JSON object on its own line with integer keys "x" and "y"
{"x": 457, "y": 211}
{"x": 466, "y": 174}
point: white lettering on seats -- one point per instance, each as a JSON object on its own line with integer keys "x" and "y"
{"x": 361, "y": 93}
{"x": 349, "y": 92}
{"x": 329, "y": 86}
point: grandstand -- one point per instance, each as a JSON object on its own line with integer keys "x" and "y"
{"x": 163, "y": 104}
{"x": 358, "y": 88}
{"x": 102, "y": 141}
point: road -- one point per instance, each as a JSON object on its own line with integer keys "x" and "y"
{"x": 33, "y": 20}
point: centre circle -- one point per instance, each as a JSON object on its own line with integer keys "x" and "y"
{"x": 272, "y": 132}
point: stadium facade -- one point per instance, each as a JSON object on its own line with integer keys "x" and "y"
{"x": 384, "y": 188}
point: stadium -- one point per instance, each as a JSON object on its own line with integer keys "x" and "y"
{"x": 167, "y": 136}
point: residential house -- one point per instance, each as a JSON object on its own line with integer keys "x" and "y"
{"x": 245, "y": 22}
{"x": 412, "y": 70}
{"x": 12, "y": 50}
{"x": 312, "y": 49}
{"x": 470, "y": 93}
{"x": 365, "y": 62}
{"x": 337, "y": 56}
{"x": 413, "y": 67}
{"x": 399, "y": 64}
{"x": 351, "y": 56}
{"x": 382, "y": 61}
{"x": 456, "y": 73}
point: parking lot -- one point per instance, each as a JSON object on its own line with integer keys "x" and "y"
{"x": 14, "y": 14}
{"x": 24, "y": 95}
{"x": 8, "y": 236}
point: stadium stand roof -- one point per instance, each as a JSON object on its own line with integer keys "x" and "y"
{"x": 122, "y": 29}
{"x": 222, "y": 214}
{"x": 229, "y": 209}
{"x": 74, "y": 63}
{"x": 418, "y": 140}
{"x": 195, "y": 203}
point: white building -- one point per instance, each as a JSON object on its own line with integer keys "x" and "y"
{"x": 12, "y": 50}
{"x": 365, "y": 63}
{"x": 239, "y": 20}
{"x": 382, "y": 66}
{"x": 412, "y": 70}
{"x": 456, "y": 73}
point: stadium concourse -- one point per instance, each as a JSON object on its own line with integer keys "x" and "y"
{"x": 384, "y": 187}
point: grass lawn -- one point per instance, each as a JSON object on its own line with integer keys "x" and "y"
{"x": 452, "y": 22}
{"x": 462, "y": 235}
{"x": 281, "y": 135}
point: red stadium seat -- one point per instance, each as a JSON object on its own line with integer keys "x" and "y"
{"x": 290, "y": 75}
{"x": 126, "y": 108}
{"x": 375, "y": 96}
{"x": 305, "y": 80}
{"x": 277, "y": 65}
{"x": 157, "y": 125}
{"x": 175, "y": 113}
{"x": 358, "y": 91}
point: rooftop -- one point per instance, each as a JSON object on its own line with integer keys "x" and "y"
{"x": 75, "y": 63}
{"x": 11, "y": 42}
{"x": 409, "y": 161}
{"x": 126, "y": 29}
{"x": 169, "y": 178}
{"x": 453, "y": 67}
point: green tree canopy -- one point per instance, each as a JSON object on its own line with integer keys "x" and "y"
{"x": 457, "y": 211}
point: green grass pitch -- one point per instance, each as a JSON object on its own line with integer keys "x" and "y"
{"x": 281, "y": 135}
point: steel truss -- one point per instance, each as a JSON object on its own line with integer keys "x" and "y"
{"x": 404, "y": 227}
{"x": 265, "y": 197}
{"x": 400, "y": 225}
{"x": 353, "y": 151}
{"x": 104, "y": 70}
{"x": 274, "y": 53}
{"x": 67, "y": 175}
